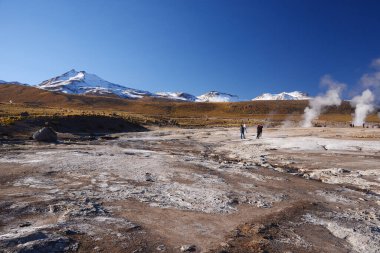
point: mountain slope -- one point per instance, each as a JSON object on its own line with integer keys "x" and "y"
{"x": 38, "y": 100}
{"x": 81, "y": 82}
{"x": 295, "y": 95}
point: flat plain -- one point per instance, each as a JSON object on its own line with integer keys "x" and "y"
{"x": 295, "y": 190}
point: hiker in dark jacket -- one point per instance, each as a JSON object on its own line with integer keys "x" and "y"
{"x": 242, "y": 130}
{"x": 259, "y": 131}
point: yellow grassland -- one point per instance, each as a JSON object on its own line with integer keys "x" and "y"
{"x": 38, "y": 103}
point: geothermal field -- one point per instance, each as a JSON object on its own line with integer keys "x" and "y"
{"x": 120, "y": 175}
{"x": 194, "y": 190}
{"x": 198, "y": 126}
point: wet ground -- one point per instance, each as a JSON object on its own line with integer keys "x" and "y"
{"x": 200, "y": 190}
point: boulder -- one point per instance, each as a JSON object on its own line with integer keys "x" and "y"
{"x": 188, "y": 248}
{"x": 45, "y": 134}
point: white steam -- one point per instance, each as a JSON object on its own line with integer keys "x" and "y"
{"x": 318, "y": 104}
{"x": 371, "y": 80}
{"x": 364, "y": 105}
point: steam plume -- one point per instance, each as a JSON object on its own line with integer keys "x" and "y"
{"x": 364, "y": 105}
{"x": 318, "y": 104}
{"x": 371, "y": 80}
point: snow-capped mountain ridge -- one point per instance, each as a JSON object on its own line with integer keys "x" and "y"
{"x": 216, "y": 96}
{"x": 294, "y": 95}
{"x": 83, "y": 83}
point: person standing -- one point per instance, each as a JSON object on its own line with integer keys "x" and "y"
{"x": 245, "y": 128}
{"x": 259, "y": 131}
{"x": 242, "y": 130}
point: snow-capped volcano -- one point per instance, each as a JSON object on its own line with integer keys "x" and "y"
{"x": 295, "y": 95}
{"x": 81, "y": 82}
{"x": 215, "y": 96}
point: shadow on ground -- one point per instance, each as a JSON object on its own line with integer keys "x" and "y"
{"x": 73, "y": 124}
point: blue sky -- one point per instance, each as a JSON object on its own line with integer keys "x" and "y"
{"x": 244, "y": 47}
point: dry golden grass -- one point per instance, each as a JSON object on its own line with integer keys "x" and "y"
{"x": 38, "y": 102}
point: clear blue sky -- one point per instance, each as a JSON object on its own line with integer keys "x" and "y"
{"x": 236, "y": 46}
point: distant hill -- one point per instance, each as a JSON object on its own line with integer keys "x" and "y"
{"x": 294, "y": 95}
{"x": 180, "y": 96}
{"x": 152, "y": 110}
{"x": 215, "y": 96}
{"x": 38, "y": 97}
{"x": 13, "y": 82}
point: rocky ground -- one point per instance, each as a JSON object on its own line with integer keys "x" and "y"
{"x": 194, "y": 190}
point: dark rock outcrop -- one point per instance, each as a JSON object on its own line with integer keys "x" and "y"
{"x": 45, "y": 134}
